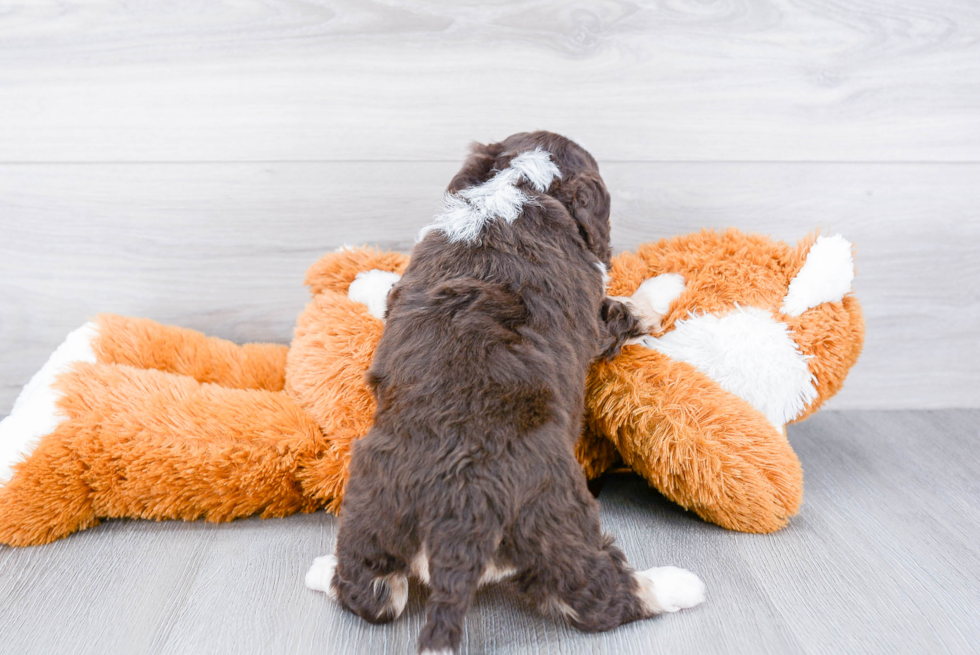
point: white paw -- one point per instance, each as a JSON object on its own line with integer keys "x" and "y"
{"x": 668, "y": 589}
{"x": 321, "y": 573}
{"x": 35, "y": 412}
{"x": 371, "y": 288}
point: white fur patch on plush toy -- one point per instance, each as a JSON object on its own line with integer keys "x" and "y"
{"x": 748, "y": 353}
{"x": 826, "y": 276}
{"x": 660, "y": 291}
{"x": 35, "y": 413}
{"x": 466, "y": 212}
{"x": 370, "y": 288}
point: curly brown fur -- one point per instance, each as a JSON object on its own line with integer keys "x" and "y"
{"x": 469, "y": 472}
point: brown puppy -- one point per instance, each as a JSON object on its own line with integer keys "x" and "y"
{"x": 468, "y": 474}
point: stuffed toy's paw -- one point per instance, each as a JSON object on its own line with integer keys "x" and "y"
{"x": 130, "y": 418}
{"x": 755, "y": 334}
{"x": 91, "y": 438}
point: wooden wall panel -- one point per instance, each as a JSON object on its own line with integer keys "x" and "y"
{"x": 223, "y": 248}
{"x": 261, "y": 80}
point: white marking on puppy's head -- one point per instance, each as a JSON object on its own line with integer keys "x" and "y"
{"x": 371, "y": 288}
{"x": 467, "y": 212}
{"x": 537, "y": 168}
{"x": 826, "y": 276}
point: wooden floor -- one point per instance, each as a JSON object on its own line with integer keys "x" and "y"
{"x": 883, "y": 558}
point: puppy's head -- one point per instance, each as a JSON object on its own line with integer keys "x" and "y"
{"x": 580, "y": 188}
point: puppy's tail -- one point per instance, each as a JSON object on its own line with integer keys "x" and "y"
{"x": 456, "y": 560}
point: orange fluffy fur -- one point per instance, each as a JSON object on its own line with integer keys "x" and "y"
{"x": 704, "y": 448}
{"x": 172, "y": 424}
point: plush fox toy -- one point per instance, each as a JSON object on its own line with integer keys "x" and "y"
{"x": 755, "y": 334}
{"x": 130, "y": 418}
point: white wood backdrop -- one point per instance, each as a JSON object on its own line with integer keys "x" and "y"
{"x": 188, "y": 160}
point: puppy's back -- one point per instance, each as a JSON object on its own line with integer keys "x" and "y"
{"x": 468, "y": 473}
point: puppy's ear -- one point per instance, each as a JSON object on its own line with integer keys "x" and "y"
{"x": 478, "y": 167}
{"x": 587, "y": 200}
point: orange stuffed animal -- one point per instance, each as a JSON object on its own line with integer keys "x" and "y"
{"x": 755, "y": 334}
{"x": 130, "y": 418}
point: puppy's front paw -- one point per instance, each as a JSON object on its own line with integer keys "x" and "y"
{"x": 321, "y": 573}
{"x": 669, "y": 589}
{"x": 652, "y": 300}
{"x": 650, "y": 320}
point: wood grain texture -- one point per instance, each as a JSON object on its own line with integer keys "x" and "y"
{"x": 223, "y": 248}
{"x": 881, "y": 559}
{"x": 685, "y": 80}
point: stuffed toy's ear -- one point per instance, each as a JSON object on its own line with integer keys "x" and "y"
{"x": 371, "y": 288}
{"x": 823, "y": 315}
{"x": 336, "y": 271}
{"x": 756, "y": 334}
{"x": 826, "y": 275}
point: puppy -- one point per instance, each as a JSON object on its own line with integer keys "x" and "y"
{"x": 468, "y": 475}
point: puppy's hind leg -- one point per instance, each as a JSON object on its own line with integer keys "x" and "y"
{"x": 578, "y": 572}
{"x": 375, "y": 587}
{"x": 456, "y": 561}
{"x": 595, "y": 589}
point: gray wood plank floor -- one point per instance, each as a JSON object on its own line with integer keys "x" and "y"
{"x": 883, "y": 558}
